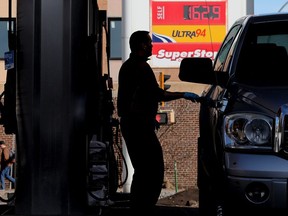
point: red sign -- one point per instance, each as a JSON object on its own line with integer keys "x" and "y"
{"x": 186, "y": 29}
{"x": 189, "y": 13}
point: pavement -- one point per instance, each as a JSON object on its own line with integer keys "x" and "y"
{"x": 182, "y": 198}
{"x": 160, "y": 211}
{"x": 171, "y": 203}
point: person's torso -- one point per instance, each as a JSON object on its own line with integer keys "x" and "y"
{"x": 138, "y": 92}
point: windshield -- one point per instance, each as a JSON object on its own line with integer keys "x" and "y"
{"x": 263, "y": 60}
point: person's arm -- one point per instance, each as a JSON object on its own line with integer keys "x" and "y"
{"x": 168, "y": 96}
{"x": 6, "y": 154}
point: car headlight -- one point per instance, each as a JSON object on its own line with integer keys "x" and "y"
{"x": 248, "y": 131}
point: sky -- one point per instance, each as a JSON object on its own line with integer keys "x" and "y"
{"x": 268, "y": 6}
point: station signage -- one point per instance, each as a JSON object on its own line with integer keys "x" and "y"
{"x": 186, "y": 29}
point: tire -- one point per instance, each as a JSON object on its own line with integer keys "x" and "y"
{"x": 211, "y": 192}
{"x": 210, "y": 203}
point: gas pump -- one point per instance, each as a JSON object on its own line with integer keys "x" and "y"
{"x": 102, "y": 165}
{"x": 64, "y": 105}
{"x": 103, "y": 179}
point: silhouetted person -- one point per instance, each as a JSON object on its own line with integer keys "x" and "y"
{"x": 138, "y": 97}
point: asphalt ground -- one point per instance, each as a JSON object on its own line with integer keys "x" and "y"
{"x": 121, "y": 211}
{"x": 160, "y": 211}
{"x": 170, "y": 204}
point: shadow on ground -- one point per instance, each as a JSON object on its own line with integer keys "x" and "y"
{"x": 183, "y": 203}
{"x": 184, "y": 198}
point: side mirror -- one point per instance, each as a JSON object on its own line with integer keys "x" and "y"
{"x": 200, "y": 70}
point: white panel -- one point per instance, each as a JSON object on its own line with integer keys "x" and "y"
{"x": 237, "y": 9}
{"x": 135, "y": 16}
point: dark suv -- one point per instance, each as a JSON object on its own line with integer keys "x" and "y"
{"x": 243, "y": 121}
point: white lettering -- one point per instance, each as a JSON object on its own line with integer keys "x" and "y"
{"x": 160, "y": 12}
{"x": 176, "y": 55}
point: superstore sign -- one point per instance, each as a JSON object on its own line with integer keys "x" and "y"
{"x": 186, "y": 29}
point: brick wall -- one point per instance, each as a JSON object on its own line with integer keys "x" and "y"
{"x": 179, "y": 143}
{"x": 8, "y": 138}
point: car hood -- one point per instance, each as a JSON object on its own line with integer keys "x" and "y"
{"x": 265, "y": 97}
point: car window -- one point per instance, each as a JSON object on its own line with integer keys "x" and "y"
{"x": 278, "y": 39}
{"x": 263, "y": 60}
{"x": 226, "y": 45}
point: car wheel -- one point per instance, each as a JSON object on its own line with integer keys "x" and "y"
{"x": 211, "y": 204}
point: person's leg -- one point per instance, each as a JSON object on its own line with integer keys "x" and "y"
{"x": 150, "y": 174}
{"x": 8, "y": 175}
{"x": 147, "y": 159}
{"x": 3, "y": 174}
{"x": 2, "y": 181}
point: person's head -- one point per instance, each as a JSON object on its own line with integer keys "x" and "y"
{"x": 141, "y": 43}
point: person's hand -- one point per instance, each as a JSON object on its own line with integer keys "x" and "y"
{"x": 191, "y": 96}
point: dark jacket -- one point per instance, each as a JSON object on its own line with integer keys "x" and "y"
{"x": 138, "y": 90}
{"x": 6, "y": 160}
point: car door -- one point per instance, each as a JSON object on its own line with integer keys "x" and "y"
{"x": 211, "y": 176}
